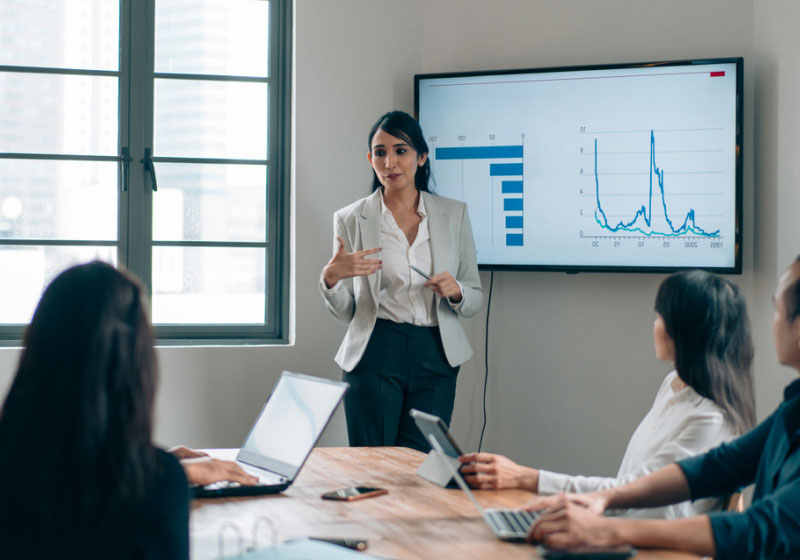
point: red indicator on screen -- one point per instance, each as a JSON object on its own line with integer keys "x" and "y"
{"x": 717, "y": 74}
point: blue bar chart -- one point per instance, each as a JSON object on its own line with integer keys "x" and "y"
{"x": 509, "y": 175}
{"x": 479, "y": 152}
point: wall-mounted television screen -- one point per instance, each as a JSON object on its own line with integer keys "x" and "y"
{"x": 623, "y": 167}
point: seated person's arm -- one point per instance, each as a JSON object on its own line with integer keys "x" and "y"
{"x": 570, "y": 525}
{"x": 664, "y": 487}
{"x": 770, "y": 528}
{"x": 491, "y": 471}
{"x": 573, "y": 520}
{"x": 202, "y": 469}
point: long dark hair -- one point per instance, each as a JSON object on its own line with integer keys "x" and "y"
{"x": 404, "y": 126}
{"x": 75, "y": 428}
{"x": 792, "y": 297}
{"x": 706, "y": 318}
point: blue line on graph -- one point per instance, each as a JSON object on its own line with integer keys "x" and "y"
{"x": 646, "y": 212}
{"x": 505, "y": 169}
{"x": 511, "y": 204}
{"x": 479, "y": 152}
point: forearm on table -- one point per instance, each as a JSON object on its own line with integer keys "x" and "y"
{"x": 691, "y": 534}
{"x": 528, "y": 479}
{"x": 664, "y": 487}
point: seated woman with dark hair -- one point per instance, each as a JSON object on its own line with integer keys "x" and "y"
{"x": 79, "y": 474}
{"x": 702, "y": 326}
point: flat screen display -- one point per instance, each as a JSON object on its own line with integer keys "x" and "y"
{"x": 628, "y": 167}
{"x": 293, "y": 418}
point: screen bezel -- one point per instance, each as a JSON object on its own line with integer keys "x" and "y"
{"x": 574, "y": 269}
{"x": 430, "y": 424}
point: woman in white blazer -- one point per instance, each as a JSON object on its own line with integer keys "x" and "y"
{"x": 404, "y": 269}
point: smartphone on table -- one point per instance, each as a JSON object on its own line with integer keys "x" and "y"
{"x": 354, "y": 493}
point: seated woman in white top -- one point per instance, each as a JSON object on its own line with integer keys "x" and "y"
{"x": 702, "y": 326}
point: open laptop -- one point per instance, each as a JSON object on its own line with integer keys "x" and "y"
{"x": 506, "y": 524}
{"x": 283, "y": 435}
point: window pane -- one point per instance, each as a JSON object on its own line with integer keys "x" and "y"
{"x": 34, "y": 267}
{"x": 58, "y": 200}
{"x": 207, "y": 202}
{"x": 53, "y": 114}
{"x": 224, "y": 37}
{"x": 210, "y": 119}
{"x": 79, "y": 34}
{"x": 200, "y": 285}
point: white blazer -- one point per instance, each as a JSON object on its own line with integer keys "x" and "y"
{"x": 452, "y": 250}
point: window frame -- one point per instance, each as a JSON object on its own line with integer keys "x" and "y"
{"x": 135, "y": 242}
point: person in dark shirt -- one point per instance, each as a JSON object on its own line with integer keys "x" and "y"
{"x": 768, "y": 456}
{"x": 79, "y": 474}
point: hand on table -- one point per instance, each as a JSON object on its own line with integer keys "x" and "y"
{"x": 593, "y": 501}
{"x": 569, "y": 523}
{"x": 206, "y": 470}
{"x": 183, "y": 452}
{"x": 347, "y": 265}
{"x": 491, "y": 471}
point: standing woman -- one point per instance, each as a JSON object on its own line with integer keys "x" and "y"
{"x": 404, "y": 343}
{"x": 79, "y": 475}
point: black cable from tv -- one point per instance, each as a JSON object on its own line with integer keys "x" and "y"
{"x": 486, "y": 357}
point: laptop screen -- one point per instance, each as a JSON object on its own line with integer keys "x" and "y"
{"x": 291, "y": 422}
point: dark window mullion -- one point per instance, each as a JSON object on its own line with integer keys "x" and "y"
{"x": 210, "y": 77}
{"x": 141, "y": 14}
{"x": 60, "y": 242}
{"x": 124, "y": 137}
{"x": 278, "y": 173}
{"x": 212, "y": 244}
{"x": 59, "y": 71}
{"x": 224, "y": 161}
{"x": 65, "y": 157}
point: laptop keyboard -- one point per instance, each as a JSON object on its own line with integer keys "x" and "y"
{"x": 511, "y": 520}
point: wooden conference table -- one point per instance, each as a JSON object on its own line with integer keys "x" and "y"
{"x": 415, "y": 520}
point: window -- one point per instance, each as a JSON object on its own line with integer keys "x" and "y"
{"x": 154, "y": 135}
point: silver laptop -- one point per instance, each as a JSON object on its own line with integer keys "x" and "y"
{"x": 283, "y": 435}
{"x": 506, "y": 524}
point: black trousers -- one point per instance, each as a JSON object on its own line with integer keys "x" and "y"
{"x": 403, "y": 367}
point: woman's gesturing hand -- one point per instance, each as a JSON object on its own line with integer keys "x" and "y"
{"x": 346, "y": 265}
{"x": 445, "y": 285}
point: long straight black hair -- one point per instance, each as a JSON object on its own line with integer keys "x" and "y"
{"x": 706, "y": 318}
{"x": 75, "y": 428}
{"x": 402, "y": 125}
{"x": 792, "y": 296}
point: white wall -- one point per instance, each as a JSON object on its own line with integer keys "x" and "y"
{"x": 571, "y": 361}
